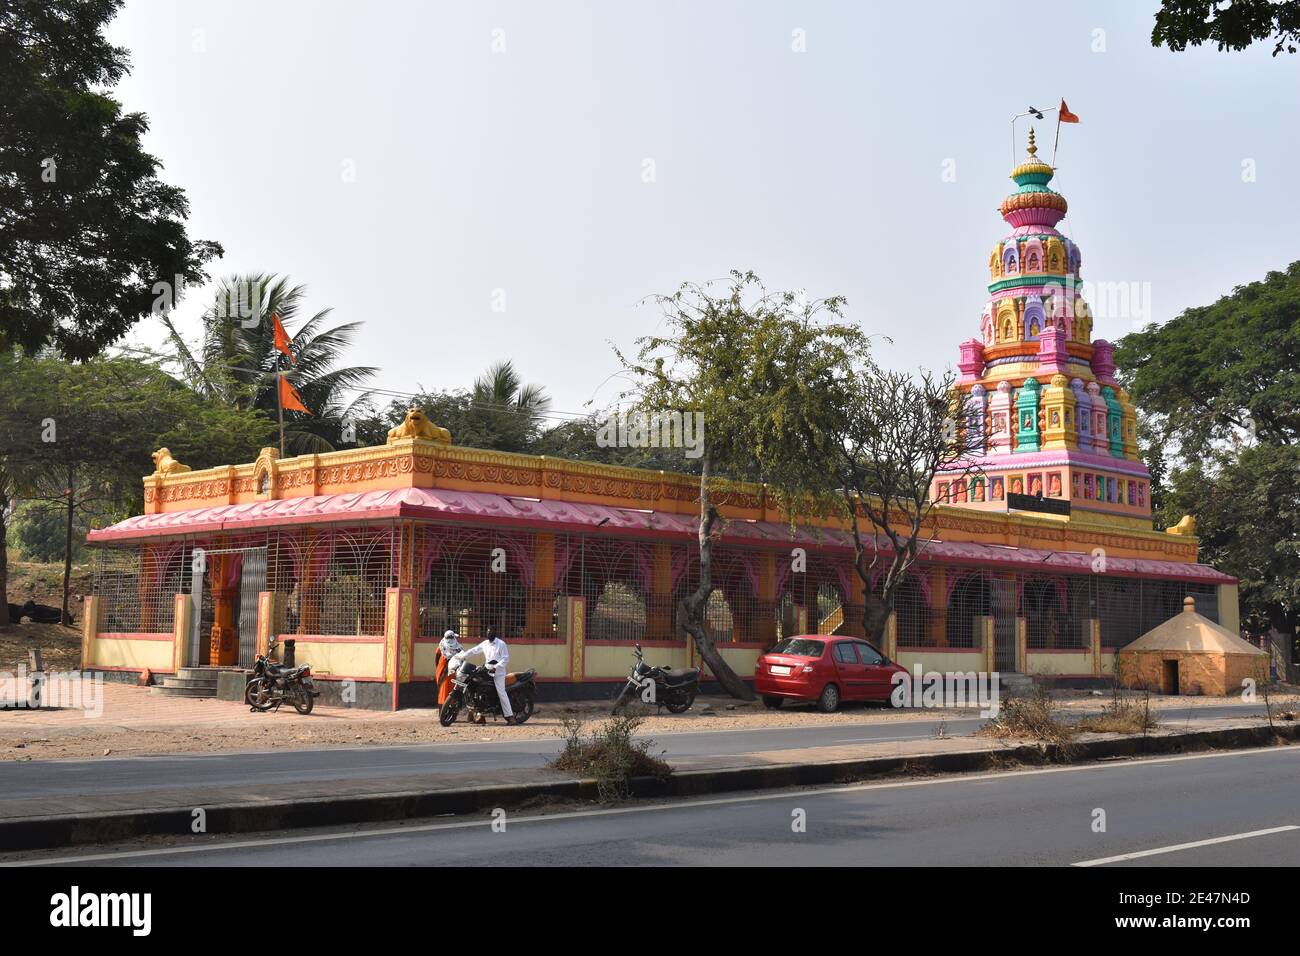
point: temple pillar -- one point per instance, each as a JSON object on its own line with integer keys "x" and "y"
{"x": 1001, "y": 420}
{"x": 1114, "y": 422}
{"x": 659, "y": 623}
{"x": 1058, "y": 408}
{"x": 308, "y": 594}
{"x": 541, "y": 596}
{"x": 1027, "y": 432}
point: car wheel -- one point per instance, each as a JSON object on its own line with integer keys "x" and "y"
{"x": 772, "y": 702}
{"x": 829, "y": 701}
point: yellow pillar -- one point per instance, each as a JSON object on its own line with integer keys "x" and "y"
{"x": 89, "y": 630}
{"x": 1022, "y": 646}
{"x": 399, "y": 637}
{"x": 659, "y": 607}
{"x": 890, "y": 649}
{"x": 182, "y": 621}
{"x": 541, "y": 597}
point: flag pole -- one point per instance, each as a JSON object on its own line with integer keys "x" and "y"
{"x": 279, "y": 401}
{"x": 1058, "y": 135}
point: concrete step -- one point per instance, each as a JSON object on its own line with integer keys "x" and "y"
{"x": 1013, "y": 683}
{"x": 181, "y": 683}
{"x": 165, "y": 691}
{"x": 202, "y": 673}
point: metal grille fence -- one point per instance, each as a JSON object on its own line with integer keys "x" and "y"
{"x": 136, "y": 601}
{"x": 331, "y": 582}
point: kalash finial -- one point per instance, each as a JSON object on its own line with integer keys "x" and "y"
{"x": 1033, "y": 149}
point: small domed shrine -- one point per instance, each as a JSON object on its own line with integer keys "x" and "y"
{"x": 1038, "y": 392}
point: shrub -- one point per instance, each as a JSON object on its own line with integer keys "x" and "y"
{"x": 610, "y": 754}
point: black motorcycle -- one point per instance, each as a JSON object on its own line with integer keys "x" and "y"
{"x": 473, "y": 687}
{"x": 271, "y": 684}
{"x": 674, "y": 688}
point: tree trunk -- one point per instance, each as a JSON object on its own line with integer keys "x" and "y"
{"x": 695, "y": 604}
{"x": 4, "y": 567}
{"x": 66, "y": 618}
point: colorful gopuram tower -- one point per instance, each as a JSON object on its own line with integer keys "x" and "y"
{"x": 1038, "y": 392}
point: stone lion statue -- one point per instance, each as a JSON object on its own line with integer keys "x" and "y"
{"x": 165, "y": 464}
{"x": 1186, "y": 525}
{"x": 417, "y": 425}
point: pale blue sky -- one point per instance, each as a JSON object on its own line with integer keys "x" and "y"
{"x": 522, "y": 170}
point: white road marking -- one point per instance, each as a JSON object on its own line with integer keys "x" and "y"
{"x": 1184, "y": 846}
{"x": 991, "y": 777}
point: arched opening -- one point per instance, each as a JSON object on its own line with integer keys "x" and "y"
{"x": 968, "y": 602}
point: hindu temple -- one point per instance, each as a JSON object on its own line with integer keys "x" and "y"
{"x": 1039, "y": 556}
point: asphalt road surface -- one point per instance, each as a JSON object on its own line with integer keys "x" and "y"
{"x": 38, "y": 778}
{"x": 1235, "y": 808}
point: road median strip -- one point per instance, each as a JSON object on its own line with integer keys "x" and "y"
{"x": 247, "y": 811}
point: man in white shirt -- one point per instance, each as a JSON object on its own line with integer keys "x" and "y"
{"x": 497, "y": 655}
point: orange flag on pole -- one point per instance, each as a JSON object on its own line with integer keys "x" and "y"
{"x": 1065, "y": 115}
{"x": 289, "y": 397}
{"x": 281, "y": 337}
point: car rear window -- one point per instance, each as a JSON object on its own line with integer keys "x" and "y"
{"x": 800, "y": 647}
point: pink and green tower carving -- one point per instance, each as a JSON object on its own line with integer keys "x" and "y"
{"x": 1037, "y": 391}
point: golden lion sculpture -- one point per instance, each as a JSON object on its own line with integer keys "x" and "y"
{"x": 165, "y": 464}
{"x": 1186, "y": 525}
{"x": 417, "y": 425}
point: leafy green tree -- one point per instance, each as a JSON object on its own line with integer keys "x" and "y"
{"x": 893, "y": 434}
{"x": 96, "y": 425}
{"x": 21, "y": 388}
{"x": 1229, "y": 26}
{"x": 762, "y": 368}
{"x": 87, "y": 230}
{"x": 238, "y": 365}
{"x": 1219, "y": 387}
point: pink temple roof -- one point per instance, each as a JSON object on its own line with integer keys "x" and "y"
{"x": 482, "y": 508}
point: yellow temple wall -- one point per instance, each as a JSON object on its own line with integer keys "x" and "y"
{"x": 414, "y": 463}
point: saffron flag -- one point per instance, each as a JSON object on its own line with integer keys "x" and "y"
{"x": 281, "y": 337}
{"x": 290, "y": 400}
{"x": 1065, "y": 115}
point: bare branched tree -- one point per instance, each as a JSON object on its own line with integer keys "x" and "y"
{"x": 897, "y": 434}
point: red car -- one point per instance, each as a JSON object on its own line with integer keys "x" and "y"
{"x": 824, "y": 668}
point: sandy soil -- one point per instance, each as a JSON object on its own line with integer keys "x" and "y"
{"x": 135, "y": 722}
{"x": 60, "y": 646}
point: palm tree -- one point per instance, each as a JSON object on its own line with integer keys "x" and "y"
{"x": 238, "y": 363}
{"x": 502, "y": 389}
{"x": 500, "y": 404}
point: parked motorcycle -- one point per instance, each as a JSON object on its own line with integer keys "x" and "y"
{"x": 271, "y": 684}
{"x": 672, "y": 688}
{"x": 473, "y": 687}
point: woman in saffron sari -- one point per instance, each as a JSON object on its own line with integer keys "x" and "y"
{"x": 448, "y": 648}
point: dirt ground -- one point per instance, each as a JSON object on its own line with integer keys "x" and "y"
{"x": 134, "y": 722}
{"x": 60, "y": 646}
{"x": 43, "y": 583}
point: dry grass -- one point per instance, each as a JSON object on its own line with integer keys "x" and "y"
{"x": 1123, "y": 715}
{"x": 1029, "y": 717}
{"x": 610, "y": 755}
{"x": 60, "y": 646}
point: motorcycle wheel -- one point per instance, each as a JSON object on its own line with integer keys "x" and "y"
{"x": 257, "y": 694}
{"x": 303, "y": 700}
{"x": 623, "y": 699}
{"x": 680, "y": 705}
{"x": 523, "y": 708}
{"x": 450, "y": 708}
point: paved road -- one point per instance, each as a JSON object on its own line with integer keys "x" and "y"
{"x": 20, "y": 780}
{"x": 1188, "y": 810}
